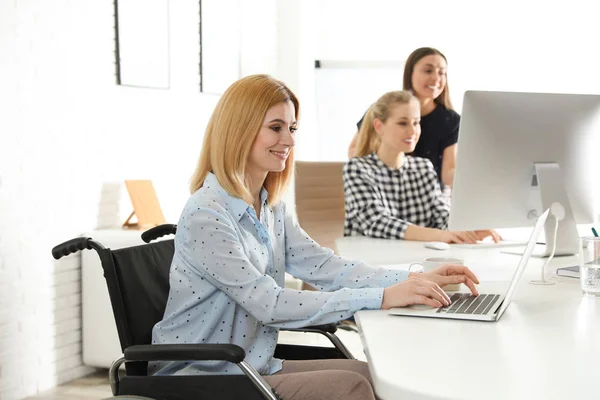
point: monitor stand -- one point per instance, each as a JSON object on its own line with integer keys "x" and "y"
{"x": 554, "y": 196}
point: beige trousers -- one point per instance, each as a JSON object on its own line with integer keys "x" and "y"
{"x": 323, "y": 380}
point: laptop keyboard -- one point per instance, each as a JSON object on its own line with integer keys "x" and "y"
{"x": 466, "y": 303}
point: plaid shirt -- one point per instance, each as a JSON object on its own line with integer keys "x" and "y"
{"x": 382, "y": 202}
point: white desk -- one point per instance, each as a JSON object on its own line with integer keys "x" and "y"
{"x": 546, "y": 346}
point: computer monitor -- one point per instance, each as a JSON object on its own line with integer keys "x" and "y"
{"x": 519, "y": 154}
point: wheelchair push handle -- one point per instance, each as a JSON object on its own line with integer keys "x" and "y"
{"x": 158, "y": 231}
{"x": 73, "y": 246}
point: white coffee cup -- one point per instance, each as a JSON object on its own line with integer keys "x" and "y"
{"x": 431, "y": 263}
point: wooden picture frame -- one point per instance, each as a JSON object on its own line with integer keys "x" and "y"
{"x": 145, "y": 203}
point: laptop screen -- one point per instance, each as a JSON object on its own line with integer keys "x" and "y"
{"x": 523, "y": 262}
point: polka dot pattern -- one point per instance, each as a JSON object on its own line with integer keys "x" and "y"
{"x": 227, "y": 281}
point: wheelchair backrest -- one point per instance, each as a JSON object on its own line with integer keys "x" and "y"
{"x": 138, "y": 285}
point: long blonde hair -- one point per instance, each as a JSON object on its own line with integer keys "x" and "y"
{"x": 231, "y": 131}
{"x": 368, "y": 140}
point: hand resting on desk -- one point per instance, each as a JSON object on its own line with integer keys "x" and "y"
{"x": 426, "y": 288}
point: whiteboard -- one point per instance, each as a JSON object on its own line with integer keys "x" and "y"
{"x": 344, "y": 91}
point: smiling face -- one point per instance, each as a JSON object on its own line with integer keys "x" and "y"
{"x": 273, "y": 143}
{"x": 429, "y": 77}
{"x": 402, "y": 129}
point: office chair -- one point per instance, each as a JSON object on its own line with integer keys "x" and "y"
{"x": 138, "y": 285}
{"x": 320, "y": 207}
{"x": 319, "y": 191}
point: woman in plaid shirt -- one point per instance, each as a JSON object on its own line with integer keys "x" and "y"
{"x": 391, "y": 195}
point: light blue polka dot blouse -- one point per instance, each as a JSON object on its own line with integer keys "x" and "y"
{"x": 227, "y": 281}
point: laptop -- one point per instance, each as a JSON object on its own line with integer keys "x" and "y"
{"x": 485, "y": 307}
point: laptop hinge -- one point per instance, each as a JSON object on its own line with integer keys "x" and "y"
{"x": 499, "y": 306}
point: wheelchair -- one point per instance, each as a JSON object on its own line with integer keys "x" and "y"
{"x": 138, "y": 286}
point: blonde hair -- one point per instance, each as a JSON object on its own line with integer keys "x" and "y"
{"x": 368, "y": 140}
{"x": 231, "y": 131}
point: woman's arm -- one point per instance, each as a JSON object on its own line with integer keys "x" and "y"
{"x": 449, "y": 144}
{"x": 449, "y": 165}
{"x": 364, "y": 205}
{"x": 352, "y": 147}
{"x": 415, "y": 232}
{"x": 319, "y": 267}
{"x": 210, "y": 248}
{"x": 423, "y": 234}
{"x": 440, "y": 210}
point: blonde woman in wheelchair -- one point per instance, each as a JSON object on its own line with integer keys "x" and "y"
{"x": 236, "y": 239}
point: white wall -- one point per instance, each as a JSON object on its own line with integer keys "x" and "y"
{"x": 67, "y": 134}
{"x": 545, "y": 46}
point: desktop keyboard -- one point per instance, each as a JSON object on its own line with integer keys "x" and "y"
{"x": 490, "y": 245}
{"x": 466, "y": 303}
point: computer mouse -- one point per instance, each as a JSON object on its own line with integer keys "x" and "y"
{"x": 437, "y": 245}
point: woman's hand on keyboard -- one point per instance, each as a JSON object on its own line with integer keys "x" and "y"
{"x": 489, "y": 232}
{"x": 470, "y": 237}
{"x": 415, "y": 290}
{"x": 457, "y": 237}
{"x": 453, "y": 274}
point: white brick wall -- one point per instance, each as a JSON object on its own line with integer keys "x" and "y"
{"x": 68, "y": 137}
